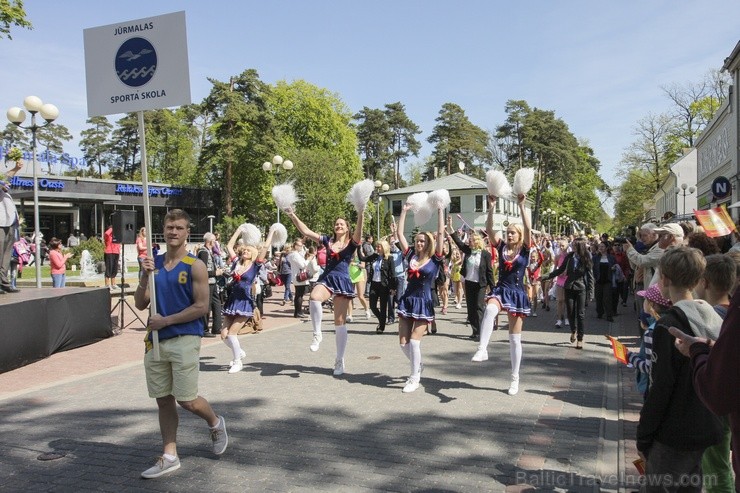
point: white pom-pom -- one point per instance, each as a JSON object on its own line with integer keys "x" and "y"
{"x": 439, "y": 199}
{"x": 523, "y": 181}
{"x": 279, "y": 235}
{"x": 284, "y": 196}
{"x": 250, "y": 234}
{"x": 417, "y": 201}
{"x": 497, "y": 184}
{"x": 423, "y": 214}
{"x": 360, "y": 193}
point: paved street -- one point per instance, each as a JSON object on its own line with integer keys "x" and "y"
{"x": 295, "y": 427}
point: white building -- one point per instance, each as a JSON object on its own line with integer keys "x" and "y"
{"x": 677, "y": 194}
{"x": 468, "y": 201}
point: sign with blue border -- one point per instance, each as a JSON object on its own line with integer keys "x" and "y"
{"x": 137, "y": 65}
{"x": 721, "y": 187}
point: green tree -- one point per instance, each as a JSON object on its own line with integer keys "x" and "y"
{"x": 95, "y": 144}
{"x": 14, "y": 136}
{"x": 12, "y": 14}
{"x": 51, "y": 137}
{"x": 404, "y": 143}
{"x": 455, "y": 140}
{"x": 375, "y": 140}
{"x": 239, "y": 137}
{"x": 509, "y": 137}
{"x": 629, "y": 208}
{"x": 171, "y": 144}
{"x": 650, "y": 152}
{"x": 125, "y": 148}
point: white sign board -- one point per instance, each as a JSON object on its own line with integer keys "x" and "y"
{"x": 137, "y": 65}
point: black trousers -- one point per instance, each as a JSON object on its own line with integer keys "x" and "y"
{"x": 379, "y": 295}
{"x": 604, "y": 301}
{"x": 214, "y": 307}
{"x": 575, "y": 303}
{"x": 474, "y": 303}
{"x": 298, "y": 299}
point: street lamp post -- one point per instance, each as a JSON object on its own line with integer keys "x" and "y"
{"x": 277, "y": 163}
{"x": 683, "y": 191}
{"x": 548, "y": 212}
{"x": 379, "y": 186}
{"x": 49, "y": 112}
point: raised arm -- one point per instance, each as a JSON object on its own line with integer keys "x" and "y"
{"x": 401, "y": 224}
{"x": 302, "y": 228}
{"x": 357, "y": 236}
{"x": 526, "y": 221}
{"x": 492, "y": 237}
{"x": 232, "y": 243}
{"x": 265, "y": 246}
{"x": 439, "y": 250}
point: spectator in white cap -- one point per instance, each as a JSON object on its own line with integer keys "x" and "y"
{"x": 669, "y": 235}
{"x": 644, "y": 264}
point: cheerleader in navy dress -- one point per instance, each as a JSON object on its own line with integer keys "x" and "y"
{"x": 509, "y": 294}
{"x": 334, "y": 281}
{"x": 416, "y": 305}
{"x": 239, "y": 307}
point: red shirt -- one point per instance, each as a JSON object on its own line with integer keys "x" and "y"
{"x": 110, "y": 247}
{"x": 58, "y": 262}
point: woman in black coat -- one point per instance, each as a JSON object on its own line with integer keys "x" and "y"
{"x": 382, "y": 280}
{"x": 604, "y": 266}
{"x": 477, "y": 273}
{"x": 579, "y": 287}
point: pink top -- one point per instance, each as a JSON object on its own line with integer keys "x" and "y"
{"x": 141, "y": 246}
{"x": 58, "y": 262}
{"x": 560, "y": 280}
{"x": 110, "y": 247}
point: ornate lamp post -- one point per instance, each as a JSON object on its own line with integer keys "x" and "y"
{"x": 683, "y": 191}
{"x": 277, "y": 163}
{"x": 48, "y": 112}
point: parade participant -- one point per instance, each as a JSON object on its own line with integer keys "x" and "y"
{"x": 578, "y": 287}
{"x": 358, "y": 276}
{"x": 240, "y": 304}
{"x": 416, "y": 306}
{"x": 534, "y": 272}
{"x": 382, "y": 281}
{"x": 181, "y": 284}
{"x": 334, "y": 281}
{"x": 141, "y": 249}
{"x": 508, "y": 294}
{"x": 456, "y": 274}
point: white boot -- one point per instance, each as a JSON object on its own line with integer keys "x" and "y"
{"x": 514, "y": 387}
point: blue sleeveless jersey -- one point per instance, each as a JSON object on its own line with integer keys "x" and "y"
{"x": 174, "y": 294}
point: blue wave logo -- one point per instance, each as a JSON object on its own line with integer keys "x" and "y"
{"x": 136, "y": 62}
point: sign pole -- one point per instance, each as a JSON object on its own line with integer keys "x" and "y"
{"x": 148, "y": 226}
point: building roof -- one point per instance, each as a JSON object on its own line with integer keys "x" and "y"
{"x": 729, "y": 61}
{"x": 456, "y": 181}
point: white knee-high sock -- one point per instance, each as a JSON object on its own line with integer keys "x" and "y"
{"x": 415, "y": 358}
{"x": 235, "y": 347}
{"x": 341, "y": 340}
{"x": 227, "y": 341}
{"x": 486, "y": 325}
{"x": 515, "y": 349}
{"x": 406, "y": 350}
{"x": 315, "y": 310}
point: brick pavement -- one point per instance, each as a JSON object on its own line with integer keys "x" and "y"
{"x": 294, "y": 427}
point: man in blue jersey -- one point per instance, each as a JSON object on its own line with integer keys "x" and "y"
{"x": 181, "y": 284}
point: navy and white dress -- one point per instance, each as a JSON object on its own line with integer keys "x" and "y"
{"x": 416, "y": 302}
{"x": 241, "y": 302}
{"x": 509, "y": 289}
{"x": 336, "y": 273}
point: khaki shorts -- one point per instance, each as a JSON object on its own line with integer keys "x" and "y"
{"x": 176, "y": 372}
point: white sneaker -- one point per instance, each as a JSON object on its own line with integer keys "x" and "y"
{"x": 338, "y": 367}
{"x": 514, "y": 387}
{"x": 349, "y": 318}
{"x": 219, "y": 437}
{"x": 368, "y": 314}
{"x": 458, "y": 306}
{"x": 162, "y": 467}
{"x": 411, "y": 385}
{"x": 242, "y": 355}
{"x": 559, "y": 323}
{"x": 315, "y": 343}
{"x": 236, "y": 367}
{"x": 567, "y": 323}
{"x": 480, "y": 355}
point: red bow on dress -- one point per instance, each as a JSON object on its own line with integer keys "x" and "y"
{"x": 334, "y": 255}
{"x": 237, "y": 277}
{"x": 413, "y": 273}
{"x": 508, "y": 264}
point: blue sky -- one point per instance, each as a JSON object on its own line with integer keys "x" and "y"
{"x": 599, "y": 65}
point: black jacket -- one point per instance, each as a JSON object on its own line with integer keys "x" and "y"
{"x": 577, "y": 278}
{"x": 673, "y": 414}
{"x": 485, "y": 271}
{"x": 387, "y": 269}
